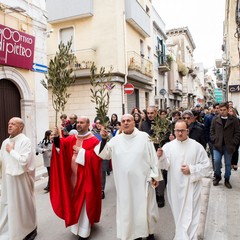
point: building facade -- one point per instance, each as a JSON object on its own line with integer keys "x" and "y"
{"x": 22, "y": 43}
{"x": 126, "y": 35}
{"x": 230, "y": 79}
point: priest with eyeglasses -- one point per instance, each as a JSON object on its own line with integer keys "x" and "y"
{"x": 187, "y": 162}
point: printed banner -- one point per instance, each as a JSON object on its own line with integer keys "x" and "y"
{"x": 16, "y": 48}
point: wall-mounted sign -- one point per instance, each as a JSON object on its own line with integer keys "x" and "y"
{"x": 128, "y": 88}
{"x": 234, "y": 88}
{"x": 39, "y": 68}
{"x": 16, "y": 48}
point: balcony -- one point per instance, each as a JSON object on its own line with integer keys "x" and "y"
{"x": 137, "y": 17}
{"x": 164, "y": 67}
{"x": 139, "y": 68}
{"x": 84, "y": 60}
{"x": 59, "y": 12}
{"x": 177, "y": 88}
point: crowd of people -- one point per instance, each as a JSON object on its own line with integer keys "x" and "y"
{"x": 79, "y": 155}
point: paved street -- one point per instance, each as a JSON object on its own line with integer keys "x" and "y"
{"x": 51, "y": 227}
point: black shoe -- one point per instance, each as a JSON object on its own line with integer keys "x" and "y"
{"x": 108, "y": 173}
{"x": 45, "y": 188}
{"x": 235, "y": 167}
{"x": 31, "y": 235}
{"x": 82, "y": 238}
{"x": 161, "y": 201}
{"x": 103, "y": 194}
{"x": 228, "y": 184}
{"x": 150, "y": 237}
{"x": 216, "y": 181}
{"x": 138, "y": 239}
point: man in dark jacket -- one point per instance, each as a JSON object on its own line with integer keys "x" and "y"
{"x": 207, "y": 125}
{"x": 225, "y": 136}
{"x": 152, "y": 112}
{"x": 196, "y": 132}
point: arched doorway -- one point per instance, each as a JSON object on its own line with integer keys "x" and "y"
{"x": 9, "y": 105}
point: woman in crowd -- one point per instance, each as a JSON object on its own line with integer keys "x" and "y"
{"x": 45, "y": 147}
{"x": 136, "y": 110}
{"x": 114, "y": 124}
{"x": 138, "y": 120}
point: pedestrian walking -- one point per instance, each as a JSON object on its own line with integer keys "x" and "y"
{"x": 225, "y": 136}
{"x": 45, "y": 148}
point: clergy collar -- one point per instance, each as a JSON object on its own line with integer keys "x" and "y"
{"x": 16, "y": 137}
{"x": 183, "y": 140}
{"x": 83, "y": 135}
{"x": 133, "y": 134}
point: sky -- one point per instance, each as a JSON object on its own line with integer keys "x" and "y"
{"x": 204, "y": 19}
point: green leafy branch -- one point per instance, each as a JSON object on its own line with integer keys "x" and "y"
{"x": 160, "y": 127}
{"x": 100, "y": 92}
{"x": 60, "y": 76}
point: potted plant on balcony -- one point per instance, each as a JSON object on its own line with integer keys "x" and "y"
{"x": 169, "y": 60}
{"x": 182, "y": 69}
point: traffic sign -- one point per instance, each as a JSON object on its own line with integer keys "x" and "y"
{"x": 163, "y": 91}
{"x": 39, "y": 68}
{"x": 128, "y": 88}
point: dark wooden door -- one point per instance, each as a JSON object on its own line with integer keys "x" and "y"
{"x": 9, "y": 105}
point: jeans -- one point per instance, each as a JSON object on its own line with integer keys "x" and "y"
{"x": 217, "y": 156}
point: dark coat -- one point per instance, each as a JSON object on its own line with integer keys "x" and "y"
{"x": 196, "y": 132}
{"x": 230, "y": 133}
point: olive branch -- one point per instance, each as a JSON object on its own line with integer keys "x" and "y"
{"x": 100, "y": 92}
{"x": 160, "y": 128}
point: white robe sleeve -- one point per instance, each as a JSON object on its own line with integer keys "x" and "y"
{"x": 106, "y": 152}
{"x": 201, "y": 169}
{"x": 163, "y": 161}
{"x": 154, "y": 173}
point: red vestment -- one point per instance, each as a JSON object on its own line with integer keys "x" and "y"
{"x": 67, "y": 200}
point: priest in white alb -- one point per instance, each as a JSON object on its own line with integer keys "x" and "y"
{"x": 18, "y": 211}
{"x": 187, "y": 162}
{"x": 134, "y": 161}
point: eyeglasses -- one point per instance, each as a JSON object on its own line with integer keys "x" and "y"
{"x": 186, "y": 118}
{"x": 180, "y": 130}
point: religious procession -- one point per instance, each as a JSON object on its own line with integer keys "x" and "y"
{"x": 117, "y": 122}
{"x": 153, "y": 154}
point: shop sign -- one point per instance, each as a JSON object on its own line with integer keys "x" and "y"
{"x": 234, "y": 88}
{"x": 16, "y": 48}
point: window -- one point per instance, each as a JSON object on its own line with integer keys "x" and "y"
{"x": 161, "y": 51}
{"x": 66, "y": 34}
{"x": 141, "y": 48}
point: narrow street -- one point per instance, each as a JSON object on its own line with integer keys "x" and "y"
{"x": 50, "y": 227}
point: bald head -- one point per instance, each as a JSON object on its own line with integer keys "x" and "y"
{"x": 83, "y": 124}
{"x": 127, "y": 123}
{"x": 15, "y": 126}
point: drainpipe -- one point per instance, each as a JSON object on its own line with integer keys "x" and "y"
{"x": 126, "y": 61}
